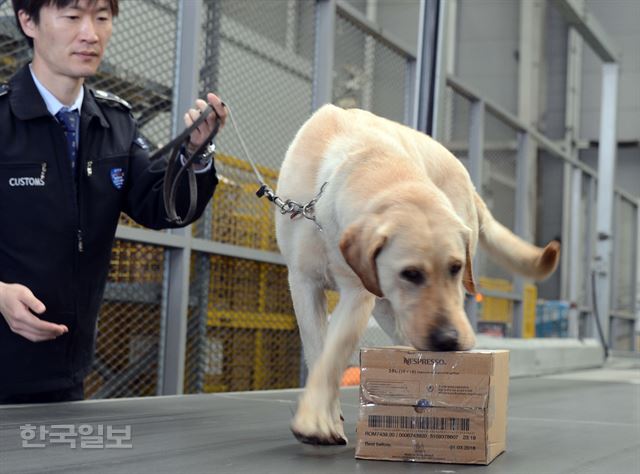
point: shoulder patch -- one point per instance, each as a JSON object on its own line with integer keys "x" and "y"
{"x": 111, "y": 99}
{"x": 4, "y": 89}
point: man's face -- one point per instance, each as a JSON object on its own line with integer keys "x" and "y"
{"x": 70, "y": 41}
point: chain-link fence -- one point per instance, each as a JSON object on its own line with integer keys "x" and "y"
{"x": 242, "y": 333}
{"x": 625, "y": 223}
{"x": 623, "y": 293}
{"x": 498, "y": 184}
{"x": 587, "y": 245}
{"x": 585, "y": 253}
{"x": 129, "y": 339}
{"x": 367, "y": 73}
{"x": 14, "y": 50}
{"x": 456, "y": 129}
{"x": 139, "y": 66}
{"x": 259, "y": 56}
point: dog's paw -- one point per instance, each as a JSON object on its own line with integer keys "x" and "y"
{"x": 314, "y": 427}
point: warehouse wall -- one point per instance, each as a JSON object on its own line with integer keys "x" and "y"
{"x": 487, "y": 47}
{"x": 620, "y": 19}
{"x": 401, "y": 18}
{"x": 487, "y": 57}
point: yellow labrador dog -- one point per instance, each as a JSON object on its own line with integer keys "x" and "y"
{"x": 398, "y": 225}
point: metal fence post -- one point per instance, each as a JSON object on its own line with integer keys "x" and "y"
{"x": 589, "y": 325}
{"x": 606, "y": 177}
{"x": 476, "y": 142}
{"x": 324, "y": 53}
{"x": 322, "y": 84}
{"x": 185, "y": 93}
{"x": 476, "y": 157}
{"x": 428, "y": 70}
{"x": 572, "y": 246}
{"x": 616, "y": 241}
{"x": 636, "y": 276}
{"x": 564, "y": 266}
{"x": 522, "y": 222}
{"x": 574, "y": 265}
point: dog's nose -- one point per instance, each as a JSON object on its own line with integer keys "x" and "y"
{"x": 444, "y": 339}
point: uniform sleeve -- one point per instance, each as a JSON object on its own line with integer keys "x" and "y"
{"x": 144, "y": 201}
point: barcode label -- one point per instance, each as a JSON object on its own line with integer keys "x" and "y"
{"x": 419, "y": 422}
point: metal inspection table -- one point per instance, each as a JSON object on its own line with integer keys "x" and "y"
{"x": 581, "y": 422}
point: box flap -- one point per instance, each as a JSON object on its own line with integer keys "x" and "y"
{"x": 456, "y": 362}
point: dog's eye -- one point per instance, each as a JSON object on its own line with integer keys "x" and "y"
{"x": 455, "y": 268}
{"x": 413, "y": 275}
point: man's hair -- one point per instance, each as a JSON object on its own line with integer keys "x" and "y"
{"x": 33, "y": 7}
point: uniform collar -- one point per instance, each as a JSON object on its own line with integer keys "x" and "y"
{"x": 27, "y": 102}
{"x": 51, "y": 101}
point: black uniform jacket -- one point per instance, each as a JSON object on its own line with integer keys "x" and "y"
{"x": 56, "y": 230}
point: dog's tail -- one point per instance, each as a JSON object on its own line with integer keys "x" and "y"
{"x": 511, "y": 251}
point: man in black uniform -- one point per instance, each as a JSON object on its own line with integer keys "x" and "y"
{"x": 71, "y": 159}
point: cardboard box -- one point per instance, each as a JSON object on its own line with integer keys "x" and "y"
{"x": 448, "y": 407}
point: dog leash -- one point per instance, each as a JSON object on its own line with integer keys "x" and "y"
{"x": 172, "y": 176}
{"x": 289, "y": 206}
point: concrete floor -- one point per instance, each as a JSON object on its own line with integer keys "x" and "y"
{"x": 580, "y": 422}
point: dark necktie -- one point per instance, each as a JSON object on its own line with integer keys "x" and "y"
{"x": 70, "y": 121}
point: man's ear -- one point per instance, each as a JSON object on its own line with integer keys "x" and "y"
{"x": 27, "y": 24}
{"x": 360, "y": 245}
{"x": 467, "y": 276}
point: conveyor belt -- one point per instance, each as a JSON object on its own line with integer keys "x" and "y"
{"x": 576, "y": 423}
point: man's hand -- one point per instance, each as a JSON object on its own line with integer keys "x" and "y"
{"x": 200, "y": 134}
{"x": 17, "y": 305}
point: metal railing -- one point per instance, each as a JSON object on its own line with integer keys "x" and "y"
{"x": 579, "y": 182}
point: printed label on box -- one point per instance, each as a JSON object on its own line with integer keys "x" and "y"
{"x": 430, "y": 434}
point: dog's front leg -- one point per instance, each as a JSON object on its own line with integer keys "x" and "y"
{"x": 317, "y": 420}
{"x": 310, "y": 305}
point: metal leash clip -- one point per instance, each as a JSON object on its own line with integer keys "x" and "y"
{"x": 288, "y": 206}
{"x": 292, "y": 207}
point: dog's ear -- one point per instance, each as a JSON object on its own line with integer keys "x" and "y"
{"x": 467, "y": 277}
{"x": 360, "y": 245}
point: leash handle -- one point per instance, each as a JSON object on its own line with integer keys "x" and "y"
{"x": 172, "y": 177}
{"x": 187, "y": 132}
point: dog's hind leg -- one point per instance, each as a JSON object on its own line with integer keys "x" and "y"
{"x": 317, "y": 420}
